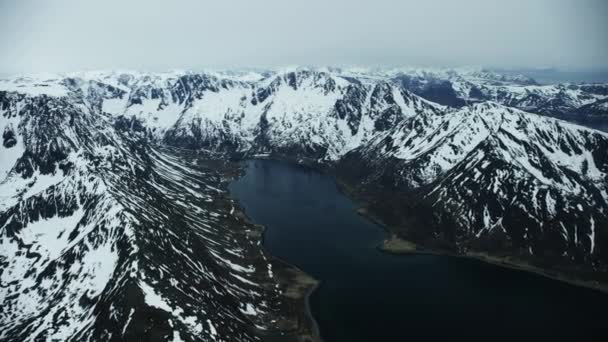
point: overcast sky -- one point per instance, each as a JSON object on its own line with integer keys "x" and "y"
{"x": 67, "y": 35}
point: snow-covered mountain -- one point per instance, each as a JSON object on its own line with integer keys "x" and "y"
{"x": 114, "y": 221}
{"x": 104, "y": 236}
{"x": 494, "y": 179}
{"x": 317, "y": 114}
{"x": 457, "y": 88}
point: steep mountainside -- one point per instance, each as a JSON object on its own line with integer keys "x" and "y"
{"x": 114, "y": 221}
{"x": 105, "y": 237}
{"x": 494, "y": 179}
{"x": 303, "y": 113}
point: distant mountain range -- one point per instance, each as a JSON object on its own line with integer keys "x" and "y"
{"x": 554, "y": 75}
{"x": 113, "y": 203}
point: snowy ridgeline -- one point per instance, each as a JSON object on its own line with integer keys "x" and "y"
{"x": 105, "y": 236}
{"x": 320, "y": 113}
{"x": 496, "y": 179}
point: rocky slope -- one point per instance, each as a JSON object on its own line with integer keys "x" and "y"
{"x": 494, "y": 179}
{"x": 315, "y": 113}
{"x": 107, "y": 237}
{"x": 114, "y": 221}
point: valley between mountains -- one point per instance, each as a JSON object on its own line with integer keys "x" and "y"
{"x": 116, "y": 222}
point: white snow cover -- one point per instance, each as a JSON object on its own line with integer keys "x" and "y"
{"x": 301, "y": 114}
{"x": 292, "y": 108}
{"x": 53, "y": 239}
{"x": 35, "y": 85}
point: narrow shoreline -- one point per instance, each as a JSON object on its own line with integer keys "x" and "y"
{"x": 316, "y": 332}
{"x": 313, "y": 333}
{"x": 397, "y": 246}
{"x": 405, "y": 247}
{"x": 362, "y": 210}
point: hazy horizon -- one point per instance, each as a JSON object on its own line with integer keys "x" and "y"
{"x": 63, "y": 35}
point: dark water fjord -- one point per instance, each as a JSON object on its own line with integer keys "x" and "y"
{"x": 366, "y": 295}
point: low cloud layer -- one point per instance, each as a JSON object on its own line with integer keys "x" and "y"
{"x": 74, "y": 35}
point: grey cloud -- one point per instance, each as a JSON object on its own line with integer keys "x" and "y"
{"x": 73, "y": 35}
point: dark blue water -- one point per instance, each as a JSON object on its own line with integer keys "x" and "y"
{"x": 367, "y": 295}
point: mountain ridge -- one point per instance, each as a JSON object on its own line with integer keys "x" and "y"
{"x": 547, "y": 199}
{"x": 117, "y": 163}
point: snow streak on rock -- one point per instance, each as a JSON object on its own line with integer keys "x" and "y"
{"x": 105, "y": 237}
{"x": 498, "y": 180}
{"x": 114, "y": 224}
